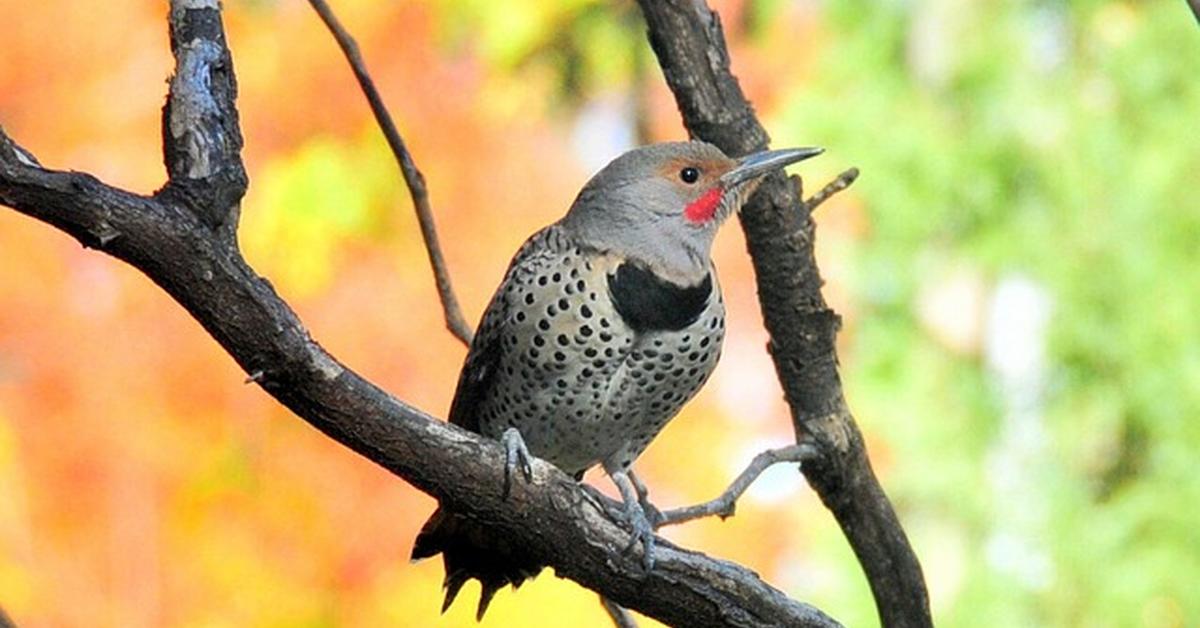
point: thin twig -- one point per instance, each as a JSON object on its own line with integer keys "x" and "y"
{"x": 725, "y": 504}
{"x": 1195, "y": 6}
{"x": 842, "y": 182}
{"x": 621, "y": 617}
{"x": 412, "y": 176}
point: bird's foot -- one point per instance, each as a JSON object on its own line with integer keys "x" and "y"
{"x": 653, "y": 514}
{"x": 515, "y": 454}
{"x": 643, "y": 534}
{"x": 635, "y": 515}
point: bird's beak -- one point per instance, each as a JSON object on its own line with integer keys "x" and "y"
{"x": 756, "y": 165}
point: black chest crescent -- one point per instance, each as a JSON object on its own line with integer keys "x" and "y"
{"x": 648, "y": 302}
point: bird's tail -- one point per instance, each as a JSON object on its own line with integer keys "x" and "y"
{"x": 470, "y": 551}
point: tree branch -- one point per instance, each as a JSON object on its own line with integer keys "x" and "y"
{"x": 620, "y": 617}
{"x": 725, "y": 503}
{"x": 687, "y": 38}
{"x": 202, "y": 141}
{"x": 182, "y": 239}
{"x": 842, "y": 182}
{"x": 408, "y": 168}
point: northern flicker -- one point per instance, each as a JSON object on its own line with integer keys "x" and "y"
{"x": 606, "y": 323}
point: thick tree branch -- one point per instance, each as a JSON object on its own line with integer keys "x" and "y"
{"x": 687, "y": 37}
{"x": 408, "y": 168}
{"x": 182, "y": 239}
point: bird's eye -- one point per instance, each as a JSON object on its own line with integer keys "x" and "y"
{"x": 689, "y": 175}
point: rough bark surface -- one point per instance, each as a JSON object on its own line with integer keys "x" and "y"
{"x": 184, "y": 239}
{"x": 688, "y": 39}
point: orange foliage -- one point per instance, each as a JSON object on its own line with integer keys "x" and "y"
{"x": 143, "y": 484}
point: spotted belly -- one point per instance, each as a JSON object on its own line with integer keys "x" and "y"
{"x": 582, "y": 385}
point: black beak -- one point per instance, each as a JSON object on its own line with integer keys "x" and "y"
{"x": 757, "y": 164}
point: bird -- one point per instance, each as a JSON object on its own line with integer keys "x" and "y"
{"x": 606, "y": 323}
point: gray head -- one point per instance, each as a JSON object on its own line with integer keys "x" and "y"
{"x": 662, "y": 204}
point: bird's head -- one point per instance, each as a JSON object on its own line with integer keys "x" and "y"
{"x": 662, "y": 204}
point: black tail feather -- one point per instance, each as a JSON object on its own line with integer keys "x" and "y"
{"x": 485, "y": 598}
{"x": 469, "y": 551}
{"x": 452, "y": 584}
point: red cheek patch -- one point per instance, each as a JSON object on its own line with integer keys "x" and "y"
{"x": 704, "y": 208}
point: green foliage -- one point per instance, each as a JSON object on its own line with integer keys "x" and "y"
{"x": 1056, "y": 142}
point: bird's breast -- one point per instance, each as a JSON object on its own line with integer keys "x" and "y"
{"x": 597, "y": 356}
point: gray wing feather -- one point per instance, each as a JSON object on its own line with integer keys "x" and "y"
{"x": 487, "y": 348}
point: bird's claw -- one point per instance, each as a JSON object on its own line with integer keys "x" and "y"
{"x": 653, "y": 514}
{"x": 642, "y": 533}
{"x": 635, "y": 497}
{"x": 515, "y": 453}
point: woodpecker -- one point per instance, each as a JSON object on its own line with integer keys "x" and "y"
{"x": 606, "y": 323}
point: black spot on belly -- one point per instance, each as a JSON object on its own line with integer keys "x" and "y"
{"x": 649, "y": 303}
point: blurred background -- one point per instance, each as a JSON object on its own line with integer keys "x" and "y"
{"x": 1016, "y": 269}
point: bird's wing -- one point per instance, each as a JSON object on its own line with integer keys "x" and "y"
{"x": 470, "y": 550}
{"x": 475, "y": 379}
{"x": 483, "y": 359}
